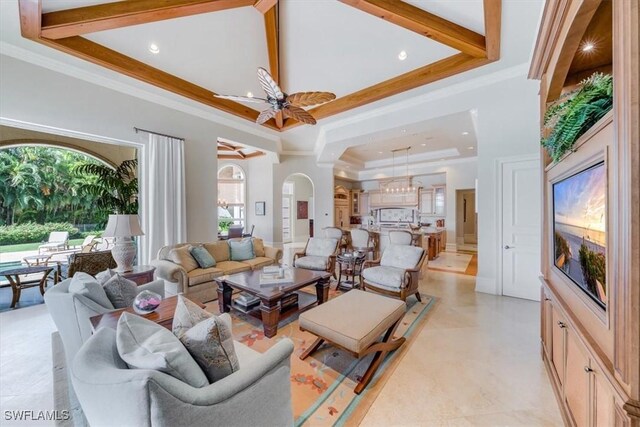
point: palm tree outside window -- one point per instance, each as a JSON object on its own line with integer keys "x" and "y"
{"x": 231, "y": 197}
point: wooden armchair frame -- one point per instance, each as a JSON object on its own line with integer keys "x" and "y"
{"x": 331, "y": 268}
{"x": 412, "y": 280}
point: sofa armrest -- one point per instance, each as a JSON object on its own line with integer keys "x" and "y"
{"x": 171, "y": 272}
{"x": 156, "y": 286}
{"x": 273, "y": 253}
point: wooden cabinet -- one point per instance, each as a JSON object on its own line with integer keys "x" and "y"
{"x": 433, "y": 201}
{"x": 604, "y": 408}
{"x": 354, "y": 202}
{"x": 558, "y": 341}
{"x": 576, "y": 383}
{"x": 364, "y": 204}
{"x": 426, "y": 201}
{"x": 379, "y": 199}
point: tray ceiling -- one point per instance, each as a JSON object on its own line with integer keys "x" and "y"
{"x": 215, "y": 46}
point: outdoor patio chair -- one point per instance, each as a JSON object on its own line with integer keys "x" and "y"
{"x": 88, "y": 244}
{"x": 58, "y": 240}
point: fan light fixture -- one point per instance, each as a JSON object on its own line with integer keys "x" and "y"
{"x": 154, "y": 48}
{"x": 249, "y": 94}
{"x": 588, "y": 47}
{"x": 402, "y": 55}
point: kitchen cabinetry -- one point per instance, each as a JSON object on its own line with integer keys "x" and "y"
{"x": 439, "y": 200}
{"x": 433, "y": 201}
{"x": 355, "y": 202}
{"x": 378, "y": 199}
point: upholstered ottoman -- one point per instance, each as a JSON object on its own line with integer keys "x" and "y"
{"x": 355, "y": 321}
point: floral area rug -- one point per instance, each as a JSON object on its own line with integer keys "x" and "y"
{"x": 322, "y": 385}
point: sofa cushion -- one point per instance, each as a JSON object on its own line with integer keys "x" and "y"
{"x": 258, "y": 247}
{"x": 104, "y": 276}
{"x": 203, "y": 275}
{"x": 311, "y": 262}
{"x": 182, "y": 257}
{"x": 218, "y": 250}
{"x": 401, "y": 256}
{"x": 202, "y": 257}
{"x": 258, "y": 262}
{"x": 121, "y": 291}
{"x": 387, "y": 277}
{"x": 87, "y": 286}
{"x": 321, "y": 247}
{"x": 207, "y": 338}
{"x": 232, "y": 267}
{"x": 144, "y": 344}
{"x": 241, "y": 249}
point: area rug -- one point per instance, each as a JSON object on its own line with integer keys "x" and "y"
{"x": 322, "y": 385}
{"x": 64, "y": 398}
{"x": 454, "y": 262}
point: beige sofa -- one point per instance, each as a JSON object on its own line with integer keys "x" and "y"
{"x": 198, "y": 284}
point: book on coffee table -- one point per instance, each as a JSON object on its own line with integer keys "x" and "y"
{"x": 275, "y": 278}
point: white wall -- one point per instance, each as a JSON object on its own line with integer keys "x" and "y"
{"x": 303, "y": 191}
{"x": 39, "y": 96}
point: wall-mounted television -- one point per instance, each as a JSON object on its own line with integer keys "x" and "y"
{"x": 580, "y": 232}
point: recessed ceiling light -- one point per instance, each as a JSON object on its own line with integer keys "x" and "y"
{"x": 249, "y": 94}
{"x": 153, "y": 48}
{"x": 423, "y": 144}
{"x": 379, "y": 152}
{"x": 470, "y": 148}
{"x": 403, "y": 131}
{"x": 442, "y": 160}
{"x": 588, "y": 47}
{"x": 465, "y": 133}
{"x": 402, "y": 55}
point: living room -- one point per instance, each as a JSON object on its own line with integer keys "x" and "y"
{"x": 397, "y": 248}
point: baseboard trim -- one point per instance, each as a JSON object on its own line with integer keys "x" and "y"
{"x": 487, "y": 285}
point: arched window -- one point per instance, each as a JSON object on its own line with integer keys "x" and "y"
{"x": 231, "y": 196}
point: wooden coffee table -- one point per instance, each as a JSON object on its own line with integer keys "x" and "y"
{"x": 162, "y": 316}
{"x": 271, "y": 295}
{"x": 17, "y": 285}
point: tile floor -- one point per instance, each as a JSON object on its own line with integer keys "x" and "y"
{"x": 476, "y": 362}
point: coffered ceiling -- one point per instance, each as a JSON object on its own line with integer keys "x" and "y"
{"x": 349, "y": 47}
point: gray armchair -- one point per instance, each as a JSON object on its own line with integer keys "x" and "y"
{"x": 71, "y": 313}
{"x": 111, "y": 394}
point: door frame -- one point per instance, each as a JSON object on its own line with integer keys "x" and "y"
{"x": 500, "y": 162}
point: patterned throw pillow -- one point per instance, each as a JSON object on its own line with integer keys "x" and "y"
{"x": 120, "y": 291}
{"x": 182, "y": 257}
{"x": 241, "y": 250}
{"x": 207, "y": 338}
{"x": 104, "y": 276}
{"x": 202, "y": 256}
{"x": 258, "y": 247}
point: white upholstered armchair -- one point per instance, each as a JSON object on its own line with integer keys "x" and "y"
{"x": 397, "y": 273}
{"x": 318, "y": 254}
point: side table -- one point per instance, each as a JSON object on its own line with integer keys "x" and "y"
{"x": 141, "y": 274}
{"x": 350, "y": 264}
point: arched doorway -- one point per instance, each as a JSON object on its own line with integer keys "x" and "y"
{"x": 297, "y": 208}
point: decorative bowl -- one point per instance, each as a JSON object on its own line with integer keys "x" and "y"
{"x": 146, "y": 302}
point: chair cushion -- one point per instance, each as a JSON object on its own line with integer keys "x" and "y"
{"x": 354, "y": 320}
{"x": 143, "y": 344}
{"x": 203, "y": 275}
{"x": 311, "y": 262}
{"x": 202, "y": 257}
{"x": 232, "y": 267}
{"x": 120, "y": 291}
{"x": 182, "y": 257}
{"x": 207, "y": 338}
{"x": 104, "y": 276}
{"x": 241, "y": 249}
{"x": 401, "y": 256}
{"x": 258, "y": 262}
{"x": 258, "y": 247}
{"x": 387, "y": 277}
{"x": 218, "y": 250}
{"x": 321, "y": 247}
{"x": 87, "y": 286}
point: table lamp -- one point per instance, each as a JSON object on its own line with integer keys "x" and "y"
{"x": 123, "y": 228}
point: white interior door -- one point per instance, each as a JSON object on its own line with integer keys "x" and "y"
{"x": 286, "y": 219}
{"x": 521, "y": 229}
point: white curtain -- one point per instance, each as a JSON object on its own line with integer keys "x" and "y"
{"x": 163, "y": 212}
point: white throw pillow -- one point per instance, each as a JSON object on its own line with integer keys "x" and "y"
{"x": 143, "y": 344}
{"x": 207, "y": 337}
{"x": 86, "y": 285}
{"x": 104, "y": 276}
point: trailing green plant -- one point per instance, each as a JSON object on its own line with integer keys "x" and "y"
{"x": 573, "y": 114}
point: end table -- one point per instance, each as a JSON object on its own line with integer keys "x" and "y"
{"x": 141, "y": 274}
{"x": 350, "y": 264}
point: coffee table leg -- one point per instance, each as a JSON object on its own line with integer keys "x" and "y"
{"x": 270, "y": 316}
{"x": 224, "y": 297}
{"x": 322, "y": 290}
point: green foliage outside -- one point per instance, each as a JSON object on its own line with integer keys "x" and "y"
{"x": 31, "y": 232}
{"x": 576, "y": 112}
{"x": 562, "y": 248}
{"x": 593, "y": 266}
{"x": 224, "y": 224}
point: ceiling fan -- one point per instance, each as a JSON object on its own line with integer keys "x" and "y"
{"x": 290, "y": 105}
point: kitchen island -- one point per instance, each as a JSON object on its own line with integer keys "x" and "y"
{"x": 432, "y": 239}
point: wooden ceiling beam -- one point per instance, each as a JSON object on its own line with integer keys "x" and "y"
{"x": 424, "y": 23}
{"x": 263, "y": 6}
{"x": 492, "y": 27}
{"x": 438, "y": 70}
{"x": 107, "y": 16}
{"x": 272, "y": 31}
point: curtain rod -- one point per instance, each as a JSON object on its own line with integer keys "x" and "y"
{"x": 156, "y": 133}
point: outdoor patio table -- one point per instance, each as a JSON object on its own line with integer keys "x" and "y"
{"x": 17, "y": 285}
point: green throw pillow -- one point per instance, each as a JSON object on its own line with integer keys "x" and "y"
{"x": 241, "y": 250}
{"x": 202, "y": 257}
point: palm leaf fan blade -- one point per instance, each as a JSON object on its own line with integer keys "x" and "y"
{"x": 299, "y": 114}
{"x": 266, "y": 115}
{"x": 269, "y": 85}
{"x": 307, "y": 99}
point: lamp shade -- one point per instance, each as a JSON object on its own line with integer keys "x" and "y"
{"x": 123, "y": 226}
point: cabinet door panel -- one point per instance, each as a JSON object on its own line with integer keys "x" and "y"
{"x": 576, "y": 387}
{"x": 557, "y": 344}
{"x": 546, "y": 325}
{"x": 603, "y": 402}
